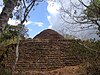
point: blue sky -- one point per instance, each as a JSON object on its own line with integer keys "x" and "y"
{"x": 48, "y": 15}
{"x": 38, "y": 18}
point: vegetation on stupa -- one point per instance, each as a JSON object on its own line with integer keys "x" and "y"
{"x": 84, "y": 50}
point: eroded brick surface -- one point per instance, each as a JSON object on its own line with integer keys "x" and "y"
{"x": 43, "y": 54}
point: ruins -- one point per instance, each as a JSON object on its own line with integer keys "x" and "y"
{"x": 43, "y": 55}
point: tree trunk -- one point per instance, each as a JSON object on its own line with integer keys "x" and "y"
{"x": 6, "y": 12}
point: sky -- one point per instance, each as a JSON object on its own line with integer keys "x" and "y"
{"x": 47, "y": 15}
{"x": 57, "y": 23}
{"x": 38, "y": 20}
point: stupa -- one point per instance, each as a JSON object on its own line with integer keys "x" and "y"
{"x": 49, "y": 34}
{"x": 42, "y": 56}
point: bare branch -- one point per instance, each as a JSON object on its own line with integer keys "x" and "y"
{"x": 27, "y": 10}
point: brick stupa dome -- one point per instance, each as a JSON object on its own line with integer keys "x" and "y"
{"x": 49, "y": 34}
{"x": 45, "y": 55}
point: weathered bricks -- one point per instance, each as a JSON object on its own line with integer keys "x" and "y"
{"x": 41, "y": 54}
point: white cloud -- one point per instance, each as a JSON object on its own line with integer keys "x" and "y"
{"x": 28, "y": 22}
{"x": 48, "y": 17}
{"x": 57, "y": 23}
{"x": 29, "y": 29}
{"x": 13, "y": 22}
{"x": 0, "y": 9}
{"x": 39, "y": 24}
{"x": 16, "y": 22}
{"x": 53, "y": 7}
{"x": 50, "y": 27}
{"x": 1, "y": 5}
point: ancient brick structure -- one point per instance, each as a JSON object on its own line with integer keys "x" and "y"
{"x": 45, "y": 53}
{"x": 49, "y": 34}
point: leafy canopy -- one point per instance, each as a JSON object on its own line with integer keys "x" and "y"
{"x": 93, "y": 10}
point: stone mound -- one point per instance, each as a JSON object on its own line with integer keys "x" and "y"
{"x": 44, "y": 55}
{"x": 49, "y": 34}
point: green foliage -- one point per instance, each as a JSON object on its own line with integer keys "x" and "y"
{"x": 92, "y": 13}
{"x": 9, "y": 34}
{"x": 93, "y": 70}
{"x": 5, "y": 71}
{"x": 93, "y": 10}
{"x": 5, "y": 1}
{"x": 91, "y": 55}
{"x": 86, "y": 54}
{"x": 67, "y": 36}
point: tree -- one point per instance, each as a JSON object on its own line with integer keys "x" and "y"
{"x": 92, "y": 12}
{"x": 22, "y": 10}
{"x": 21, "y": 14}
{"x": 82, "y": 13}
{"x": 6, "y": 12}
{"x": 11, "y": 32}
